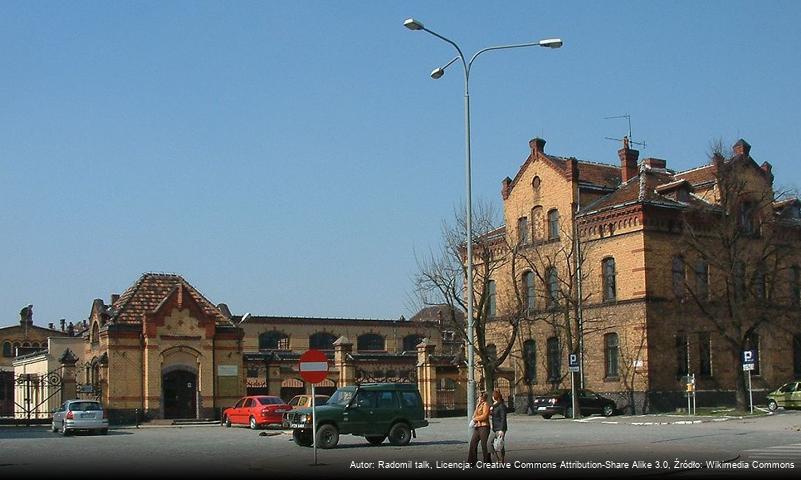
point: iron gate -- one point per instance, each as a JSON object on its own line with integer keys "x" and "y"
{"x": 32, "y": 394}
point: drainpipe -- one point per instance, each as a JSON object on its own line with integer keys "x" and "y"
{"x": 579, "y": 299}
{"x": 142, "y": 393}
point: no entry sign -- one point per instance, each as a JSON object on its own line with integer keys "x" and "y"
{"x": 313, "y": 366}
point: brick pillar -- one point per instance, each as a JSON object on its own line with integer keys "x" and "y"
{"x": 69, "y": 382}
{"x": 427, "y": 376}
{"x": 347, "y": 371}
{"x": 274, "y": 379}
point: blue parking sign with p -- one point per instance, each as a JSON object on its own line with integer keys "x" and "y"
{"x": 573, "y": 362}
{"x": 749, "y": 359}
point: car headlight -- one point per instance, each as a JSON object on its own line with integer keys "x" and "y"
{"x": 302, "y": 419}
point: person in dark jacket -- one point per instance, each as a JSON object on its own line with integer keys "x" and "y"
{"x": 497, "y": 440}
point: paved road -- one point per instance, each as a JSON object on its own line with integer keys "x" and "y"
{"x": 634, "y": 446}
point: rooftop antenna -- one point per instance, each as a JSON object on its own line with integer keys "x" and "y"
{"x": 628, "y": 139}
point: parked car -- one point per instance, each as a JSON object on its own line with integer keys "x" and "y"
{"x": 303, "y": 401}
{"x": 375, "y": 411}
{"x": 787, "y": 396}
{"x": 256, "y": 412}
{"x": 559, "y": 402}
{"x": 75, "y": 415}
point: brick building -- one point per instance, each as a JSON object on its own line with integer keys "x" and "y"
{"x": 163, "y": 349}
{"x": 603, "y": 266}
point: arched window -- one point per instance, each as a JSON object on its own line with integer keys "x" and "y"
{"x": 26, "y": 345}
{"x": 739, "y": 280}
{"x": 35, "y": 345}
{"x": 535, "y": 187}
{"x": 410, "y": 342}
{"x": 530, "y": 361}
{"x": 554, "y": 360}
{"x": 677, "y": 273}
{"x": 536, "y": 222}
{"x": 523, "y": 237}
{"x": 322, "y": 341}
{"x": 609, "y": 287}
{"x": 795, "y": 285}
{"x": 491, "y": 305}
{"x": 702, "y": 279}
{"x": 370, "y": 342}
{"x": 273, "y": 341}
{"x": 8, "y": 350}
{"x": 553, "y": 224}
{"x": 682, "y": 350}
{"x": 552, "y": 280}
{"x": 530, "y": 292}
{"x": 95, "y": 336}
{"x": 760, "y": 282}
{"x": 612, "y": 354}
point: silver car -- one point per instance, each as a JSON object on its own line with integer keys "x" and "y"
{"x": 80, "y": 415}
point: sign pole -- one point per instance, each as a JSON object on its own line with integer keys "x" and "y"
{"x": 313, "y": 367}
{"x": 750, "y": 394}
{"x": 573, "y": 394}
{"x": 314, "y": 425}
{"x": 694, "y": 410}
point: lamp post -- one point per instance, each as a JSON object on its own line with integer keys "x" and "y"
{"x": 437, "y": 73}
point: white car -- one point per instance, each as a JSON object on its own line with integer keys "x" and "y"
{"x": 75, "y": 415}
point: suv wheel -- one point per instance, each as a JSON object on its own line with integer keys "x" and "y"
{"x": 400, "y": 434}
{"x": 772, "y": 405}
{"x": 327, "y": 436}
{"x": 376, "y": 440}
{"x": 301, "y": 438}
{"x": 226, "y": 421}
{"x": 253, "y": 424}
{"x": 609, "y": 410}
{"x": 546, "y": 416}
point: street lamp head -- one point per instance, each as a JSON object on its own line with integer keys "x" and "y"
{"x": 413, "y": 24}
{"x": 551, "y": 42}
{"x": 437, "y": 73}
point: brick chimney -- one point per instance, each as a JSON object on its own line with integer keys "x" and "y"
{"x": 628, "y": 161}
{"x": 655, "y": 163}
{"x": 537, "y": 145}
{"x": 506, "y": 187}
{"x": 572, "y": 169}
{"x": 741, "y": 148}
{"x": 114, "y": 298}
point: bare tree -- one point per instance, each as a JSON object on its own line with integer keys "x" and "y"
{"x": 562, "y": 268}
{"x": 739, "y": 239}
{"x": 441, "y": 280}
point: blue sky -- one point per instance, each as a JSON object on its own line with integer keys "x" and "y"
{"x": 289, "y": 158}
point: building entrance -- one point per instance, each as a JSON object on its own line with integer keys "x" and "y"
{"x": 180, "y": 394}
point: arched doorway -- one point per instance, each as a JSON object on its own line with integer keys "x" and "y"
{"x": 180, "y": 394}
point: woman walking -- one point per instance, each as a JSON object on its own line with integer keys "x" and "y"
{"x": 498, "y": 439}
{"x": 481, "y": 430}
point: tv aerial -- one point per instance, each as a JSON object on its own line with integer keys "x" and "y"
{"x": 627, "y": 139}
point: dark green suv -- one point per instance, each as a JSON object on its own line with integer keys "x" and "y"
{"x": 375, "y": 411}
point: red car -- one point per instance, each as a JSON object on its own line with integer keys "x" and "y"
{"x": 256, "y": 411}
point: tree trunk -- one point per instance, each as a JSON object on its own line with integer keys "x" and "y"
{"x": 741, "y": 385}
{"x": 489, "y": 380}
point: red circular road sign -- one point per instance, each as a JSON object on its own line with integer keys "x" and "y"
{"x": 313, "y": 366}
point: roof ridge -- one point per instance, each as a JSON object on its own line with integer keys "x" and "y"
{"x": 694, "y": 169}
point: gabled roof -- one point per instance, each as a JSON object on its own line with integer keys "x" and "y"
{"x": 148, "y": 294}
{"x": 590, "y": 173}
{"x": 640, "y": 189}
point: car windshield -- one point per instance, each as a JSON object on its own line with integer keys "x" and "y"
{"x": 341, "y": 397}
{"x": 85, "y": 407}
{"x": 270, "y": 400}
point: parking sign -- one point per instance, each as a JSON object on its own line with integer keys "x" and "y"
{"x": 748, "y": 360}
{"x": 573, "y": 362}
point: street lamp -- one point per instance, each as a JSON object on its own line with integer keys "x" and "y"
{"x": 413, "y": 24}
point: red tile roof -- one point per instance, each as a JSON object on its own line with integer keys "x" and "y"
{"x": 148, "y": 293}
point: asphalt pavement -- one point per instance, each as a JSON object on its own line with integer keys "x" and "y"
{"x": 652, "y": 445}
